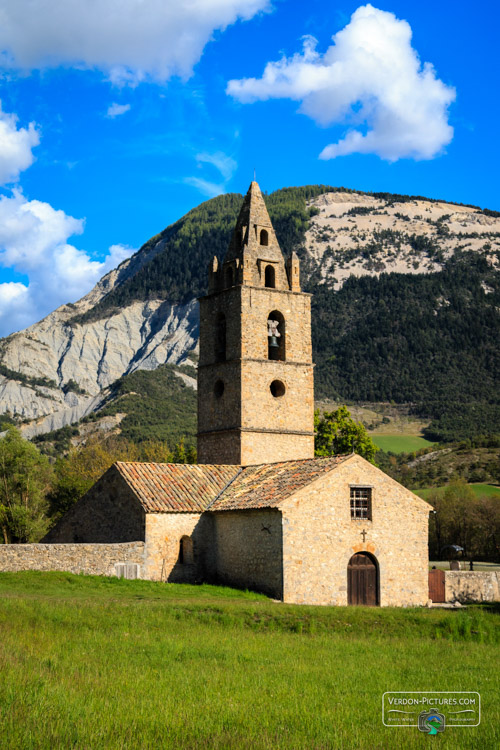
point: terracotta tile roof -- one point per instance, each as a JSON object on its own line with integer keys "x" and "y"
{"x": 163, "y": 488}
{"x": 267, "y": 485}
{"x": 177, "y": 488}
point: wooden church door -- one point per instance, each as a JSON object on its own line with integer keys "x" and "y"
{"x": 362, "y": 580}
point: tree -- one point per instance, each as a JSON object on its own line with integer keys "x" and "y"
{"x": 83, "y": 466}
{"x": 25, "y": 478}
{"x": 336, "y": 433}
{"x": 183, "y": 455}
{"x": 461, "y": 518}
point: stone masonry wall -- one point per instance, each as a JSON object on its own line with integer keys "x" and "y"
{"x": 257, "y": 304}
{"x": 472, "y": 586}
{"x": 91, "y": 559}
{"x": 319, "y": 538}
{"x": 249, "y": 550}
{"x": 164, "y": 532}
{"x": 108, "y": 512}
{"x": 246, "y": 400}
{"x": 219, "y": 448}
{"x": 270, "y": 447}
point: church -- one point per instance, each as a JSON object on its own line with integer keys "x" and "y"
{"x": 259, "y": 511}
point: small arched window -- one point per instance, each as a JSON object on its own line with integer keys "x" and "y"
{"x": 264, "y": 237}
{"x": 220, "y": 338}
{"x": 219, "y": 388}
{"x": 229, "y": 276}
{"x": 186, "y": 551}
{"x": 276, "y": 336}
{"x": 270, "y": 277}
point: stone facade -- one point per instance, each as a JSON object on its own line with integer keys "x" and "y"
{"x": 108, "y": 512}
{"x": 248, "y": 547}
{"x": 164, "y": 559}
{"x": 255, "y": 403}
{"x": 90, "y": 559}
{"x": 472, "y": 586}
{"x": 319, "y": 538}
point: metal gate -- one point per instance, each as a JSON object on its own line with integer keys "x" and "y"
{"x": 436, "y": 585}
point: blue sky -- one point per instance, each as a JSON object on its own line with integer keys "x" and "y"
{"x": 114, "y": 125}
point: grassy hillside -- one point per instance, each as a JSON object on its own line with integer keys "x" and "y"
{"x": 399, "y": 443}
{"x": 480, "y": 489}
{"x": 158, "y": 405}
{"x": 475, "y": 462}
{"x": 91, "y": 662}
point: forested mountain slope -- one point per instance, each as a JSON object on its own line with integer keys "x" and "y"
{"x": 406, "y": 304}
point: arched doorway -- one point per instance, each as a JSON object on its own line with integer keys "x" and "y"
{"x": 363, "y": 580}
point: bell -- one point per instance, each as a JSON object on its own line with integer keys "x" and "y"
{"x": 273, "y": 342}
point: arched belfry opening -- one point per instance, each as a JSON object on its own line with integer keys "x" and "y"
{"x": 229, "y": 276}
{"x": 276, "y": 336}
{"x": 264, "y": 237}
{"x": 270, "y": 277}
{"x": 220, "y": 338}
{"x": 363, "y": 580}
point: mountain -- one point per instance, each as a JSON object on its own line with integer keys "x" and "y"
{"x": 406, "y": 301}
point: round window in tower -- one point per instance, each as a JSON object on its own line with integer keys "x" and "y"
{"x": 218, "y": 389}
{"x": 277, "y": 388}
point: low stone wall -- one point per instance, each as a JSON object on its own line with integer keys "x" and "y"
{"x": 91, "y": 559}
{"x": 472, "y": 586}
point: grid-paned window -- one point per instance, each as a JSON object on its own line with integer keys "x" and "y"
{"x": 361, "y": 503}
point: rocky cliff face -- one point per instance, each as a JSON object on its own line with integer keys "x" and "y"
{"x": 360, "y": 235}
{"x": 58, "y": 370}
{"x": 80, "y": 361}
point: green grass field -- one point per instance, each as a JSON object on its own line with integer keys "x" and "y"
{"x": 400, "y": 443}
{"x": 106, "y": 663}
{"x": 481, "y": 490}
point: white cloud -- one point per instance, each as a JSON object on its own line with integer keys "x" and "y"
{"x": 115, "y": 110}
{"x": 224, "y": 164}
{"x": 34, "y": 242}
{"x": 210, "y": 189}
{"x": 129, "y": 41}
{"x": 15, "y": 307}
{"x": 372, "y": 80}
{"x": 15, "y": 147}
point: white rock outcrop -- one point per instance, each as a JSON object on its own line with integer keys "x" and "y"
{"x": 143, "y": 335}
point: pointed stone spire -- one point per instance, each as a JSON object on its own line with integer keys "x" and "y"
{"x": 254, "y": 243}
{"x": 254, "y": 230}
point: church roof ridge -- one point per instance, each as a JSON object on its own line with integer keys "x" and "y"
{"x": 183, "y": 488}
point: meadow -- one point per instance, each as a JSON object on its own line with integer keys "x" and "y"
{"x": 480, "y": 489}
{"x": 105, "y": 663}
{"x": 400, "y": 443}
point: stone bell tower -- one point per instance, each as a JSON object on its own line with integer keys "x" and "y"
{"x": 255, "y": 374}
